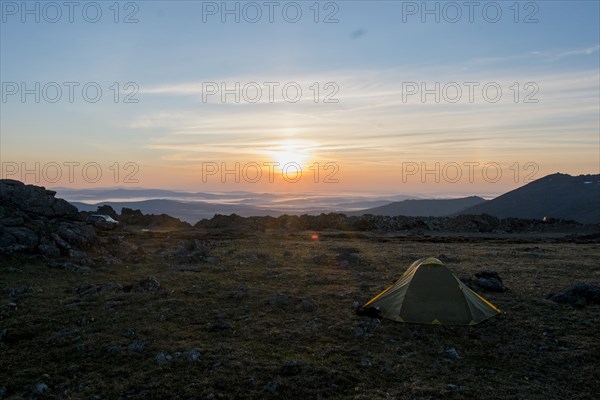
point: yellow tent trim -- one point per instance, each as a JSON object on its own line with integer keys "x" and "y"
{"x": 431, "y": 260}
{"x": 488, "y": 303}
{"x": 436, "y": 322}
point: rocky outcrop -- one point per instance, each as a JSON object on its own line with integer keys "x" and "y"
{"x": 33, "y": 220}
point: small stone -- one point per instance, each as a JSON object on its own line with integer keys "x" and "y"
{"x": 149, "y": 284}
{"x": 452, "y": 353}
{"x": 19, "y": 291}
{"x": 136, "y": 347}
{"x": 359, "y": 332}
{"x": 366, "y": 363}
{"x": 272, "y": 388}
{"x": 192, "y": 355}
{"x": 40, "y": 388}
{"x": 161, "y": 358}
{"x": 308, "y": 305}
{"x": 344, "y": 264}
{"x": 452, "y": 386}
{"x": 290, "y": 368}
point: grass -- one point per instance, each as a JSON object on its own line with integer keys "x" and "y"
{"x": 78, "y": 345}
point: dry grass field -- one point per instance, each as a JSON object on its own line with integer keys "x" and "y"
{"x": 271, "y": 316}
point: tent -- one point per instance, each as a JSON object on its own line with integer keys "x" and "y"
{"x": 429, "y": 293}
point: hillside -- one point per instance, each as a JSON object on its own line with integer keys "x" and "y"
{"x": 423, "y": 208}
{"x": 553, "y": 196}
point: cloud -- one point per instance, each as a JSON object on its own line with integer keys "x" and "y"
{"x": 374, "y": 125}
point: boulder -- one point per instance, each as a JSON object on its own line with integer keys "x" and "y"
{"x": 579, "y": 294}
{"x": 35, "y": 199}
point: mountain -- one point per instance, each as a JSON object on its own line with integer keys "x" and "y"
{"x": 424, "y": 207}
{"x": 554, "y": 196}
{"x": 190, "y": 211}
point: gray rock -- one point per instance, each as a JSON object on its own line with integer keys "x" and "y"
{"x": 490, "y": 285}
{"x": 219, "y": 326}
{"x": 162, "y": 358}
{"x": 240, "y": 292}
{"x": 452, "y": 354}
{"x": 359, "y": 331}
{"x": 3, "y": 392}
{"x": 281, "y": 300}
{"x": 24, "y": 236}
{"x": 149, "y": 284}
{"x": 17, "y": 221}
{"x": 192, "y": 355}
{"x": 34, "y": 199}
{"x": 272, "y": 388}
{"x": 86, "y": 289}
{"x": 18, "y": 291}
{"x": 40, "y": 388}
{"x": 291, "y": 368}
{"x": 60, "y": 242}
{"x": 577, "y": 295}
{"x": 136, "y": 347}
{"x": 366, "y": 363}
{"x": 452, "y": 387}
{"x": 308, "y": 305}
{"x": 77, "y": 254}
{"x": 344, "y": 264}
{"x": 49, "y": 250}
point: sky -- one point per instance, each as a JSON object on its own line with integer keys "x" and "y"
{"x": 435, "y": 98}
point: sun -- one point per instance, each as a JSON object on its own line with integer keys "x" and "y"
{"x": 290, "y": 153}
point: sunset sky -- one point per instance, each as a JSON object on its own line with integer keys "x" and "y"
{"x": 375, "y": 132}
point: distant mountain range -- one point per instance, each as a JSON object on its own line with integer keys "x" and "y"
{"x": 423, "y": 208}
{"x": 554, "y": 196}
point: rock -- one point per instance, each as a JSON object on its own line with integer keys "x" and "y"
{"x": 18, "y": 291}
{"x": 490, "y": 281}
{"x": 49, "y": 250}
{"x": 70, "y": 266}
{"x": 452, "y": 387}
{"x": 359, "y": 331}
{"x": 344, "y": 264}
{"x": 40, "y": 388}
{"x": 190, "y": 251}
{"x": 60, "y": 242}
{"x": 452, "y": 354}
{"x": 162, "y": 358}
{"x": 291, "y": 368}
{"x": 77, "y": 254}
{"x": 578, "y": 295}
{"x": 150, "y": 284}
{"x": 3, "y": 392}
{"x": 192, "y": 355}
{"x": 34, "y": 199}
{"x": 281, "y": 300}
{"x": 308, "y": 305}
{"x": 86, "y": 289}
{"x": 490, "y": 285}
{"x": 366, "y": 363}
{"x": 219, "y": 326}
{"x": 272, "y": 388}
{"x": 136, "y": 347}
{"x": 240, "y": 292}
{"x": 489, "y": 274}
{"x": 3, "y": 335}
{"x": 24, "y": 236}
{"x": 18, "y": 221}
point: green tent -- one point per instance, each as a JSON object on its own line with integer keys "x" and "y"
{"x": 429, "y": 293}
